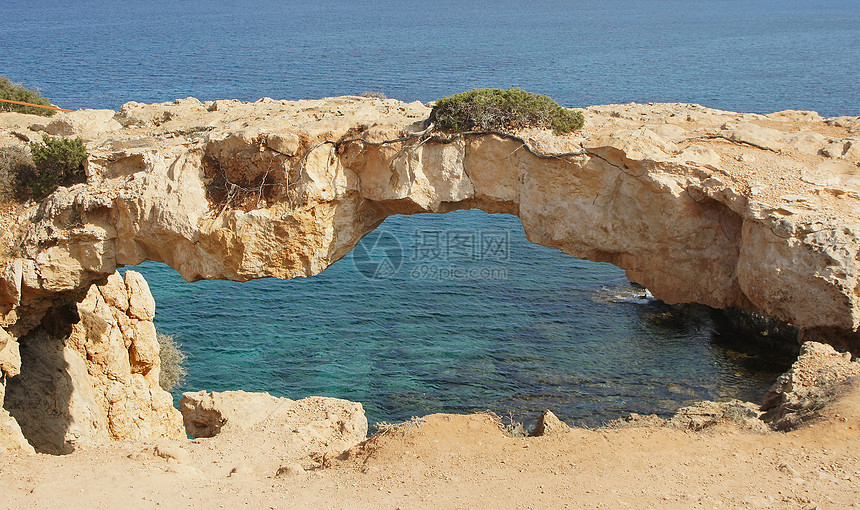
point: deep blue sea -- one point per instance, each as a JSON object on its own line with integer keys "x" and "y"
{"x": 460, "y": 312}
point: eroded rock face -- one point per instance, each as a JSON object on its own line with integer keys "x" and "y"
{"x": 11, "y": 437}
{"x": 811, "y": 383}
{"x": 699, "y": 205}
{"x": 91, "y": 375}
{"x": 10, "y": 357}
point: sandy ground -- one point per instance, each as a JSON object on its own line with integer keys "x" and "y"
{"x": 464, "y": 461}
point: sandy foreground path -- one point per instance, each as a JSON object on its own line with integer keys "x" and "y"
{"x": 465, "y": 461}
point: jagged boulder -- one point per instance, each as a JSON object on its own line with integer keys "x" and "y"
{"x": 205, "y": 414}
{"x": 549, "y": 425}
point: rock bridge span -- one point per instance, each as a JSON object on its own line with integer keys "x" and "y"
{"x": 698, "y": 205}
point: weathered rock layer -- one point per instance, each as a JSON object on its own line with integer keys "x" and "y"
{"x": 699, "y": 205}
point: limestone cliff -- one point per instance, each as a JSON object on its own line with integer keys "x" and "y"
{"x": 699, "y": 205}
{"x": 90, "y": 372}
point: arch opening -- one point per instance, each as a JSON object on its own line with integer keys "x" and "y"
{"x": 459, "y": 313}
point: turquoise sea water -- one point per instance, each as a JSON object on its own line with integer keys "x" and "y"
{"x": 472, "y": 316}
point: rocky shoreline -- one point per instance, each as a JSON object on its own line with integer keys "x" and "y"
{"x": 262, "y": 451}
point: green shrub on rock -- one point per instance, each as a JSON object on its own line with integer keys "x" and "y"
{"x": 57, "y": 162}
{"x": 503, "y": 110}
{"x": 15, "y": 92}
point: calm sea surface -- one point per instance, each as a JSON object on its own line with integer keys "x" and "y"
{"x": 460, "y": 312}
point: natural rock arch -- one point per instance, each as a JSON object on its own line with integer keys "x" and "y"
{"x": 698, "y": 205}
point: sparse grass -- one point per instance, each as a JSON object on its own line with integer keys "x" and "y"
{"x": 373, "y": 94}
{"x": 504, "y": 110}
{"x": 739, "y": 414}
{"x": 15, "y": 162}
{"x": 383, "y": 427}
{"x": 16, "y": 92}
{"x": 173, "y": 371}
{"x": 509, "y": 426}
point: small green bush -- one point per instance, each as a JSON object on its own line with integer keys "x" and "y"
{"x": 173, "y": 360}
{"x": 503, "y": 110}
{"x": 15, "y": 92}
{"x": 58, "y": 162}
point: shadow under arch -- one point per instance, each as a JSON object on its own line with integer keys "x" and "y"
{"x": 468, "y": 316}
{"x": 40, "y": 397}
